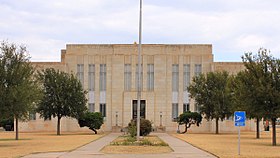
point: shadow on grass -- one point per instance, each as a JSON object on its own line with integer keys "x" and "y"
{"x": 9, "y": 139}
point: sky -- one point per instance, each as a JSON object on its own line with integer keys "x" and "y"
{"x": 232, "y": 27}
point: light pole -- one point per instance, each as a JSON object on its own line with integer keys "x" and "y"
{"x": 117, "y": 118}
{"x": 160, "y": 114}
{"x": 139, "y": 73}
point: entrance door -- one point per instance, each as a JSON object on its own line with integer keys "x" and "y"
{"x": 142, "y": 109}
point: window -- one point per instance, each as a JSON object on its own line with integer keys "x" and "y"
{"x": 127, "y": 77}
{"x": 150, "y": 77}
{"x": 142, "y": 109}
{"x": 196, "y": 108}
{"x": 103, "y": 109}
{"x": 32, "y": 115}
{"x": 102, "y": 80}
{"x": 174, "y": 111}
{"x": 186, "y": 107}
{"x": 91, "y": 77}
{"x": 187, "y": 76}
{"x": 80, "y": 73}
{"x": 198, "y": 69}
{"x": 175, "y": 78}
{"x": 91, "y": 107}
{"x": 136, "y": 77}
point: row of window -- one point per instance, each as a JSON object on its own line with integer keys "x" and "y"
{"x": 186, "y": 76}
{"x": 128, "y": 76}
{"x": 91, "y": 76}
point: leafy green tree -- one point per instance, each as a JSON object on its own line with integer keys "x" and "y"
{"x": 19, "y": 90}
{"x": 92, "y": 120}
{"x": 247, "y": 97}
{"x": 265, "y": 71}
{"x": 189, "y": 118}
{"x": 212, "y": 95}
{"x": 63, "y": 96}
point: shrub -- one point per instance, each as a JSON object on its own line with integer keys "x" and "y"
{"x": 93, "y": 120}
{"x": 7, "y": 124}
{"x": 145, "y": 127}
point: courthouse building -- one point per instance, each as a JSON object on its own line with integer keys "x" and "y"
{"x": 109, "y": 73}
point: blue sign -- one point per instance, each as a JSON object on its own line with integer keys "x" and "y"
{"x": 239, "y": 118}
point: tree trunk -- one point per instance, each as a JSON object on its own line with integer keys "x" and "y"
{"x": 58, "y": 126}
{"x": 273, "y": 121}
{"x": 95, "y": 132}
{"x": 258, "y": 128}
{"x": 217, "y": 125}
{"x": 16, "y": 128}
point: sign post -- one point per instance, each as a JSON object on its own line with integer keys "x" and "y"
{"x": 239, "y": 120}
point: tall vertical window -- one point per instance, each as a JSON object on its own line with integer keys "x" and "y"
{"x": 91, "y": 107}
{"x": 127, "y": 77}
{"x": 186, "y": 107}
{"x": 91, "y": 77}
{"x": 102, "y": 80}
{"x": 175, "y": 78}
{"x": 136, "y": 77}
{"x": 103, "y": 109}
{"x": 174, "y": 111}
{"x": 80, "y": 73}
{"x": 198, "y": 69}
{"x": 187, "y": 76}
{"x": 150, "y": 77}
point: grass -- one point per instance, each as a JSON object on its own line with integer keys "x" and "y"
{"x": 225, "y": 145}
{"x": 42, "y": 142}
{"x": 129, "y": 145}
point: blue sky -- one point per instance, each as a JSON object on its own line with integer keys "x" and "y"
{"x": 232, "y": 27}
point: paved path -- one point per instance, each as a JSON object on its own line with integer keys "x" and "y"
{"x": 181, "y": 150}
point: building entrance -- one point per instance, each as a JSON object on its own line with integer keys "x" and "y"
{"x": 142, "y": 109}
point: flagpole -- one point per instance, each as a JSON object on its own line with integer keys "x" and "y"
{"x": 139, "y": 73}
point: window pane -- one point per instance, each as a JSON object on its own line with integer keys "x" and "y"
{"x": 198, "y": 69}
{"x": 174, "y": 110}
{"x": 103, "y": 109}
{"x": 127, "y": 77}
{"x": 150, "y": 77}
{"x": 91, "y": 107}
{"x": 102, "y": 81}
{"x": 186, "y": 76}
{"x": 80, "y": 73}
{"x": 175, "y": 78}
{"x": 91, "y": 77}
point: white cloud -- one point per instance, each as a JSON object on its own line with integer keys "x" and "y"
{"x": 232, "y": 27}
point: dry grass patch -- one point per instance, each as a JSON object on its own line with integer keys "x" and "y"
{"x": 42, "y": 142}
{"x": 225, "y": 145}
{"x": 127, "y": 145}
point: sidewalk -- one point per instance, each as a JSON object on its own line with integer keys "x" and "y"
{"x": 181, "y": 150}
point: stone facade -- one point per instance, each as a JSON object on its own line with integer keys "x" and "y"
{"x": 167, "y": 69}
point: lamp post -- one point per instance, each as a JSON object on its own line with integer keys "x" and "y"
{"x": 117, "y": 118}
{"x": 160, "y": 114}
{"x": 139, "y": 73}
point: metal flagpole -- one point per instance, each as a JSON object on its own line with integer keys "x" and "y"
{"x": 139, "y": 73}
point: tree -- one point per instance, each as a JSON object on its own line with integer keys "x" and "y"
{"x": 212, "y": 95}
{"x": 19, "y": 88}
{"x": 265, "y": 70}
{"x": 189, "y": 118}
{"x": 247, "y": 97}
{"x": 63, "y": 96}
{"x": 92, "y": 120}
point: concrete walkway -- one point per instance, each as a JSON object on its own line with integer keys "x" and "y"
{"x": 92, "y": 150}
